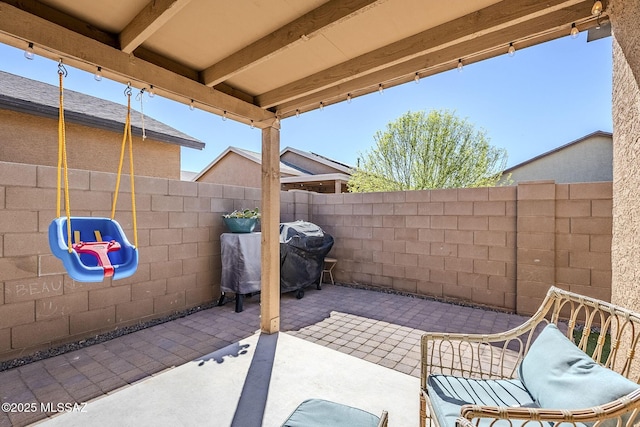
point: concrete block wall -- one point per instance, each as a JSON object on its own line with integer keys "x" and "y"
{"x": 501, "y": 247}
{"x": 179, "y": 227}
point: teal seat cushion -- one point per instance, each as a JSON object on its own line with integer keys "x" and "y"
{"x": 448, "y": 393}
{"x": 322, "y": 413}
{"x": 561, "y": 376}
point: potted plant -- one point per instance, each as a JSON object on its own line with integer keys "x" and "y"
{"x": 242, "y": 221}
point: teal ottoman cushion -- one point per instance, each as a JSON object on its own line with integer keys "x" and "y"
{"x": 322, "y": 413}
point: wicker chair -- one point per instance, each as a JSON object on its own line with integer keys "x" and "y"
{"x": 482, "y": 359}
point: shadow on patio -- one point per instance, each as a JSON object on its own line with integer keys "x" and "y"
{"x": 353, "y": 346}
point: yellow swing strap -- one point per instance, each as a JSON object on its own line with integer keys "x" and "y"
{"x": 62, "y": 158}
{"x": 127, "y": 136}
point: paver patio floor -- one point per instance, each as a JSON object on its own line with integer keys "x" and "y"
{"x": 378, "y": 327}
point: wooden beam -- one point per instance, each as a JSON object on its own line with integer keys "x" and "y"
{"x": 152, "y": 17}
{"x": 491, "y": 44}
{"x": 270, "y": 226}
{"x": 330, "y": 13}
{"x": 55, "y": 42}
{"x": 494, "y": 18}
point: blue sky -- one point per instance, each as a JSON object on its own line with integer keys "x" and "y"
{"x": 543, "y": 97}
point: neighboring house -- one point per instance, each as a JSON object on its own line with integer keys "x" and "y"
{"x": 94, "y": 128}
{"x": 299, "y": 170}
{"x": 588, "y": 159}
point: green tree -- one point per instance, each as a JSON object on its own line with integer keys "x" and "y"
{"x": 426, "y": 151}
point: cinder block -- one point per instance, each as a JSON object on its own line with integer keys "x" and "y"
{"x": 33, "y": 289}
{"x": 578, "y": 225}
{"x": 392, "y": 270}
{"x": 334, "y": 199}
{"x": 366, "y": 198}
{"x": 563, "y": 225}
{"x": 443, "y": 249}
{"x": 602, "y": 208}
{"x": 507, "y": 254}
{"x": 540, "y": 190}
{"x": 418, "y": 196}
{"x": 490, "y": 238}
{"x": 536, "y": 257}
{"x": 161, "y": 203}
{"x": 352, "y": 221}
{"x": 473, "y": 194}
{"x": 410, "y": 260}
{"x": 473, "y": 251}
{"x": 406, "y": 234}
{"x": 33, "y": 334}
{"x": 365, "y": 233}
{"x": 232, "y": 192}
{"x": 2, "y": 197}
{"x": 433, "y": 208}
{"x": 63, "y": 305}
{"x": 573, "y": 242}
{"x": 47, "y": 177}
{"x": 221, "y": 205}
{"x": 458, "y": 236}
{"x": 427, "y": 235}
{"x": 134, "y": 310}
{"x": 171, "y": 236}
{"x": 405, "y": 285}
{"x": 101, "y": 298}
{"x": 206, "y": 189}
{"x": 149, "y": 185}
{"x": 592, "y": 260}
{"x": 29, "y": 198}
{"x": 600, "y": 243}
{"x": 18, "y": 174}
{"x": 363, "y": 209}
{"x": 71, "y": 286}
{"x": 195, "y": 234}
{"x": 142, "y": 274}
{"x": 498, "y": 223}
{"x": 166, "y": 269}
{"x": 502, "y": 284}
{"x": 148, "y": 290}
{"x": 573, "y": 276}
{"x": 92, "y": 321}
{"x": 503, "y": 193}
{"x": 17, "y": 314}
{"x": 474, "y": 222}
{"x": 183, "y": 219}
{"x": 448, "y": 278}
{"x": 18, "y": 267}
{"x": 458, "y": 208}
{"x": 5, "y": 340}
{"x": 416, "y": 273}
{"x": 429, "y": 288}
{"x": 491, "y": 268}
{"x": 183, "y": 251}
{"x": 143, "y": 203}
{"x": 601, "y": 279}
{"x": 18, "y": 221}
{"x": 444, "y": 222}
{"x": 397, "y": 246}
{"x": 488, "y": 297}
{"x": 102, "y": 181}
{"x": 535, "y": 273}
{"x": 405, "y": 208}
{"x": 489, "y": 208}
{"x": 382, "y": 233}
{"x": 383, "y": 209}
{"x": 169, "y": 303}
{"x": 197, "y": 204}
{"x": 199, "y": 296}
{"x": 421, "y": 221}
{"x": 206, "y": 219}
{"x": 25, "y": 244}
{"x": 343, "y": 210}
{"x": 573, "y": 208}
{"x": 92, "y": 200}
{"x": 539, "y": 224}
{"x": 183, "y": 188}
{"x": 181, "y": 283}
{"x": 458, "y": 264}
{"x": 447, "y": 195}
{"x": 591, "y": 190}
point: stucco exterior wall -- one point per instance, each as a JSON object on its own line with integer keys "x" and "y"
{"x": 34, "y": 140}
{"x": 625, "y": 16}
{"x": 589, "y": 161}
{"x": 233, "y": 169}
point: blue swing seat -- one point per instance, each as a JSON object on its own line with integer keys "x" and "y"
{"x": 85, "y": 267}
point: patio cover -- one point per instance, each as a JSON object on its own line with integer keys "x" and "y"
{"x": 261, "y": 61}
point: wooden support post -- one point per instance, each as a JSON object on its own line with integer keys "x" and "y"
{"x": 270, "y": 225}
{"x": 338, "y": 186}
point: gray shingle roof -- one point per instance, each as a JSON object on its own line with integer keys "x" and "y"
{"x": 34, "y": 97}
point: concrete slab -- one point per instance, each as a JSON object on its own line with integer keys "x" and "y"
{"x": 256, "y": 382}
